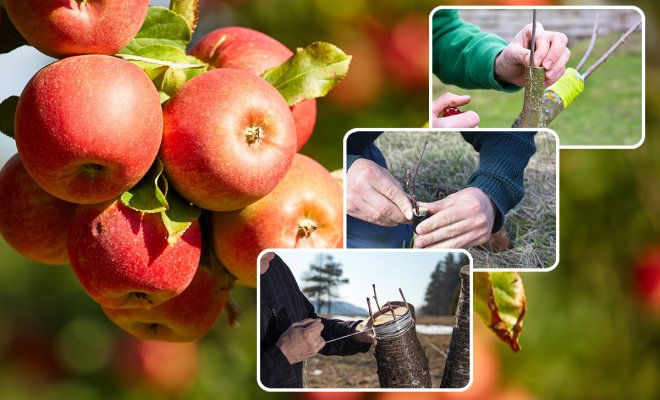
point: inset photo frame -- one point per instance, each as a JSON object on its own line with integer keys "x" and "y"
{"x": 587, "y": 82}
{"x": 493, "y": 192}
{"x": 364, "y": 320}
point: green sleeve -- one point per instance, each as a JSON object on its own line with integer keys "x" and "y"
{"x": 463, "y": 55}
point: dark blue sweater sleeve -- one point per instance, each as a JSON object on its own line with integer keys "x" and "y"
{"x": 503, "y": 157}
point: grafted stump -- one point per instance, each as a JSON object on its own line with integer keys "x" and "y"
{"x": 457, "y": 366}
{"x": 400, "y": 357}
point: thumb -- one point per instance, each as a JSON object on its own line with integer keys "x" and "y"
{"x": 434, "y": 207}
{"x": 518, "y": 55}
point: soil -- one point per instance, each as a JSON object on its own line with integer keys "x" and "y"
{"x": 359, "y": 370}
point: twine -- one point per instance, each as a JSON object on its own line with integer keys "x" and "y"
{"x": 567, "y": 88}
{"x": 394, "y": 328}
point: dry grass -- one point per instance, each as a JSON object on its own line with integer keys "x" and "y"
{"x": 359, "y": 371}
{"x": 449, "y": 161}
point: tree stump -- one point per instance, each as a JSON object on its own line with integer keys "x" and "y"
{"x": 400, "y": 357}
{"x": 457, "y": 366}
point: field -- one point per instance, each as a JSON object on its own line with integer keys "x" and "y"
{"x": 608, "y": 112}
{"x": 359, "y": 371}
{"x": 449, "y": 161}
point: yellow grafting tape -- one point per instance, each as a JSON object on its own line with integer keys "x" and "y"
{"x": 568, "y": 87}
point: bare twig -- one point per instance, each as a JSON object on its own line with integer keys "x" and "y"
{"x": 611, "y": 50}
{"x": 371, "y": 314}
{"x": 375, "y": 295}
{"x": 404, "y": 299}
{"x": 410, "y": 182}
{"x": 531, "y": 45}
{"x": 594, "y": 35}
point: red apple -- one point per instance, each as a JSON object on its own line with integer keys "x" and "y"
{"x": 167, "y": 368}
{"x": 123, "y": 259}
{"x": 184, "y": 318}
{"x": 33, "y": 222}
{"x": 253, "y": 51}
{"x": 647, "y": 278}
{"x": 61, "y": 28}
{"x": 88, "y": 127}
{"x": 229, "y": 139}
{"x": 304, "y": 211}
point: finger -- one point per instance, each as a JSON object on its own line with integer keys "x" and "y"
{"x": 460, "y": 242}
{"x": 381, "y": 211}
{"x": 468, "y": 119}
{"x": 305, "y": 322}
{"x": 448, "y": 100}
{"x": 391, "y": 190}
{"x": 558, "y": 70}
{"x": 541, "y": 44}
{"x": 442, "y": 234}
{"x": 434, "y": 207}
{"x": 557, "y": 44}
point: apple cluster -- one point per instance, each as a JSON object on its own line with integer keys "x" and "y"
{"x": 159, "y": 205}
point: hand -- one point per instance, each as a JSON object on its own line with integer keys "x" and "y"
{"x": 301, "y": 340}
{"x": 461, "y": 220}
{"x": 368, "y": 333}
{"x": 468, "y": 119}
{"x": 550, "y": 52}
{"x": 375, "y": 196}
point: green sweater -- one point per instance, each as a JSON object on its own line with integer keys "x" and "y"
{"x": 463, "y": 55}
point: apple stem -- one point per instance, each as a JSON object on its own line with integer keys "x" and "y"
{"x": 254, "y": 134}
{"x": 305, "y": 228}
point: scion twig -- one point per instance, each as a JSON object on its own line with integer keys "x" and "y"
{"x": 611, "y": 50}
{"x": 531, "y": 45}
{"x": 410, "y": 180}
{"x": 594, "y": 35}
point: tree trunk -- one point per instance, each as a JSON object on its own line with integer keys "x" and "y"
{"x": 457, "y": 366}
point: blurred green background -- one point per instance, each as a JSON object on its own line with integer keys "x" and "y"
{"x": 590, "y": 331}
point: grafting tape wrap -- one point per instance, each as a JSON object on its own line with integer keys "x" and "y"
{"x": 400, "y": 357}
{"x": 567, "y": 88}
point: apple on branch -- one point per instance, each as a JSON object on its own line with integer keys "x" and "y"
{"x": 88, "y": 127}
{"x": 33, "y": 222}
{"x": 61, "y": 28}
{"x": 253, "y": 51}
{"x": 229, "y": 138}
{"x": 304, "y": 211}
{"x": 184, "y": 318}
{"x": 123, "y": 258}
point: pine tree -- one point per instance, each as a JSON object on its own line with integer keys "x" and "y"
{"x": 442, "y": 291}
{"x": 324, "y": 276}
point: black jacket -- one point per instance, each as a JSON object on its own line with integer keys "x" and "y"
{"x": 282, "y": 303}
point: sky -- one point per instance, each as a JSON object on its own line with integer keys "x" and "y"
{"x": 390, "y": 270}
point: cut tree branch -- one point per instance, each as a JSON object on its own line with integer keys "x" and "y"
{"x": 594, "y": 35}
{"x": 611, "y": 50}
{"x": 531, "y": 45}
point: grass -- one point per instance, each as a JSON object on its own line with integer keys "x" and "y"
{"x": 608, "y": 112}
{"x": 447, "y": 164}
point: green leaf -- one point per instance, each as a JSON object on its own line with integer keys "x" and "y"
{"x": 7, "y": 113}
{"x": 155, "y": 59}
{"x": 178, "y": 217}
{"x": 168, "y": 67}
{"x": 149, "y": 194}
{"x": 10, "y": 38}
{"x": 310, "y": 73}
{"x": 499, "y": 300}
{"x": 164, "y": 97}
{"x": 188, "y": 9}
{"x": 161, "y": 27}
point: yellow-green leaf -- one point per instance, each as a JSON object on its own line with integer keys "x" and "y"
{"x": 499, "y": 300}
{"x": 310, "y": 73}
